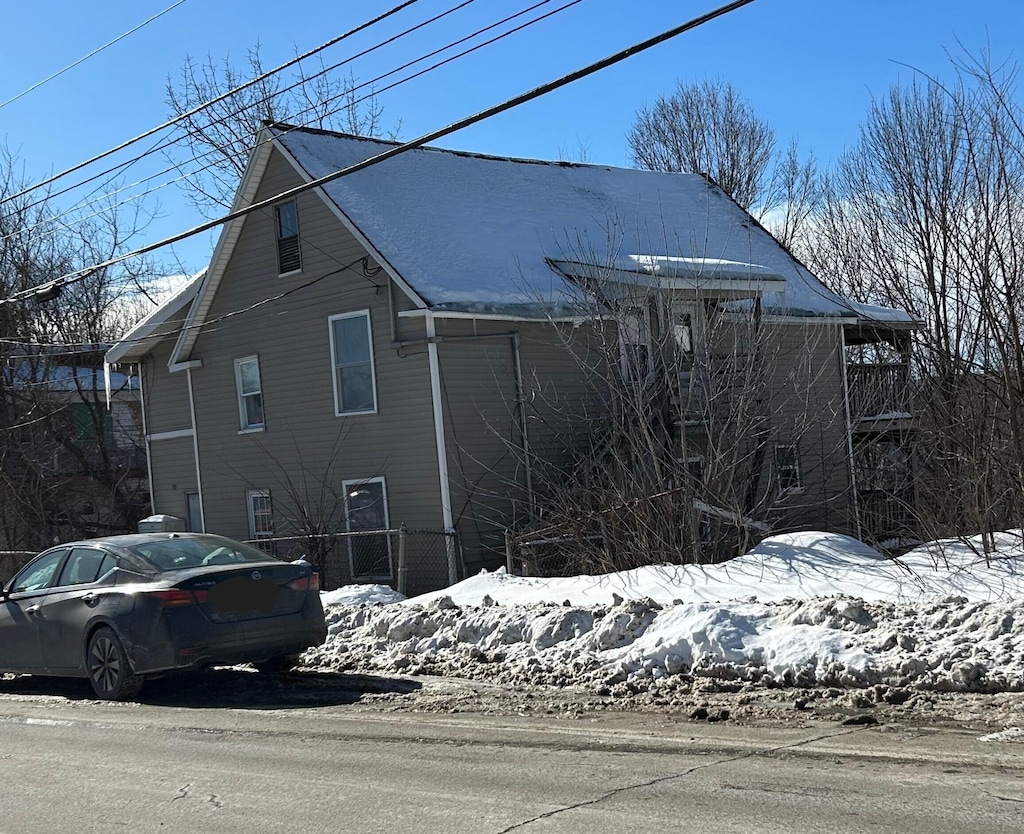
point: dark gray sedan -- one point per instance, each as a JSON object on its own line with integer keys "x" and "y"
{"x": 120, "y": 609}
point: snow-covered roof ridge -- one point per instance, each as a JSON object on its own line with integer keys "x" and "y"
{"x": 474, "y": 233}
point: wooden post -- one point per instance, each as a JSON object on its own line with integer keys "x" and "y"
{"x": 403, "y": 567}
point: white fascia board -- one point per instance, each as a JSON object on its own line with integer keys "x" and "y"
{"x": 229, "y": 235}
{"x": 175, "y": 367}
{"x": 138, "y": 341}
{"x": 731, "y": 281}
{"x": 775, "y": 318}
{"x": 354, "y": 230}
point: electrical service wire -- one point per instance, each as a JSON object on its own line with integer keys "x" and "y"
{"x": 181, "y": 117}
{"x": 311, "y": 112}
{"x": 85, "y": 58}
{"x": 487, "y": 113}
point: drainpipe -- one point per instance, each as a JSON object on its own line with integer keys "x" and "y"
{"x": 145, "y": 437}
{"x": 195, "y": 448}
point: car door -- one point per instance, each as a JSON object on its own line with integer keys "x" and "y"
{"x": 20, "y": 648}
{"x": 68, "y": 605}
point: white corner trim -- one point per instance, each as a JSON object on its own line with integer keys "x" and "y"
{"x": 442, "y": 449}
{"x": 195, "y": 448}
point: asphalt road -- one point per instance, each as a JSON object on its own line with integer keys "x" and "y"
{"x": 73, "y": 764}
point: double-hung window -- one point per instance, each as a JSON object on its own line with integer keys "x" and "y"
{"x": 635, "y": 345}
{"x": 250, "y": 393}
{"x": 289, "y": 255}
{"x": 366, "y": 509}
{"x": 355, "y": 387}
{"x": 261, "y": 514}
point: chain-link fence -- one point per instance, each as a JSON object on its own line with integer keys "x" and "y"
{"x": 410, "y": 561}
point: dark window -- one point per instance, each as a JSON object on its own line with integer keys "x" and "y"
{"x": 85, "y": 565}
{"x": 289, "y": 258}
{"x": 366, "y": 509}
{"x": 787, "y": 467}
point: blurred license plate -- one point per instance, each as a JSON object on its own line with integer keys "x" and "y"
{"x": 242, "y": 593}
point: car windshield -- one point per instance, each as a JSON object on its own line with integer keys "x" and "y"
{"x": 178, "y": 554}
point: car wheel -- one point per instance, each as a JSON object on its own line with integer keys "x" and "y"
{"x": 110, "y": 673}
{"x": 277, "y": 664}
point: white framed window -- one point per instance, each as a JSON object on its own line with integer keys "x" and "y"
{"x": 250, "y": 393}
{"x": 787, "y": 468}
{"x": 366, "y": 509}
{"x": 635, "y": 345}
{"x": 289, "y": 254}
{"x": 261, "y": 513}
{"x": 355, "y": 381}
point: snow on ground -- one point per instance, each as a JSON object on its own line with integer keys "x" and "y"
{"x": 805, "y": 609}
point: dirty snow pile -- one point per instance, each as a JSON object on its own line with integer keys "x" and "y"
{"x": 805, "y": 609}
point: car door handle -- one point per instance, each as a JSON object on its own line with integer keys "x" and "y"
{"x": 32, "y": 609}
{"x": 90, "y": 598}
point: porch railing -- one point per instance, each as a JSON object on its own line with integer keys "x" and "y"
{"x": 879, "y": 391}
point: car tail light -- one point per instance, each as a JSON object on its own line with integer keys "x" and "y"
{"x": 176, "y": 597}
{"x": 305, "y": 583}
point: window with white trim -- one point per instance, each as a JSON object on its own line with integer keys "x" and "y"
{"x": 250, "y": 393}
{"x": 289, "y": 255}
{"x": 261, "y": 513}
{"x": 355, "y": 384}
{"x": 366, "y": 509}
{"x": 787, "y": 468}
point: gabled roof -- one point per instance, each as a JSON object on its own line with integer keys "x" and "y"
{"x": 138, "y": 341}
{"x": 476, "y": 233}
{"x": 483, "y": 235}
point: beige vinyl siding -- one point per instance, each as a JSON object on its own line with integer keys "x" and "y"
{"x": 166, "y": 394}
{"x": 304, "y": 443}
{"x": 483, "y": 432}
{"x": 174, "y": 474}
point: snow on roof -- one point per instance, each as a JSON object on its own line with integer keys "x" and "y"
{"x": 474, "y": 233}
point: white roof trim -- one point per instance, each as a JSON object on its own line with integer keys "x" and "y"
{"x": 702, "y": 276}
{"x": 136, "y": 342}
{"x": 462, "y": 314}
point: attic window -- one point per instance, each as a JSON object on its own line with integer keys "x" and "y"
{"x": 289, "y": 258}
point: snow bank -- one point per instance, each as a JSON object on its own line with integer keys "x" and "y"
{"x": 804, "y": 609}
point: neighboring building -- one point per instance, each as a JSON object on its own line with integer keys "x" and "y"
{"x": 405, "y": 343}
{"x": 73, "y": 455}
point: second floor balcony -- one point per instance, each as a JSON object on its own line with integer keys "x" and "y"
{"x": 879, "y": 393}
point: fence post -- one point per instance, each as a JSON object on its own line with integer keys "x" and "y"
{"x": 403, "y": 566}
{"x": 509, "y": 561}
{"x": 449, "y": 544}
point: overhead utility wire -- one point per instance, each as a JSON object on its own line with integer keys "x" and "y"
{"x": 196, "y": 158}
{"x": 85, "y": 58}
{"x": 508, "y": 104}
{"x": 162, "y": 144}
{"x": 198, "y": 108}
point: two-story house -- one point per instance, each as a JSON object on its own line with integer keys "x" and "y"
{"x": 410, "y": 342}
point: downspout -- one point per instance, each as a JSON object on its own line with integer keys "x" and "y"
{"x": 195, "y": 448}
{"x": 849, "y": 430}
{"x": 145, "y": 437}
{"x": 439, "y": 439}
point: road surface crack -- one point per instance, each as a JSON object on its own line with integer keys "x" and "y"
{"x": 182, "y": 792}
{"x": 671, "y": 776}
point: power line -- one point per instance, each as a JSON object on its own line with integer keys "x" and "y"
{"x": 96, "y": 51}
{"x": 487, "y": 113}
{"x": 161, "y": 145}
{"x": 198, "y": 108}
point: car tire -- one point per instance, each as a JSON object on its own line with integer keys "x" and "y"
{"x": 110, "y": 673}
{"x": 277, "y": 664}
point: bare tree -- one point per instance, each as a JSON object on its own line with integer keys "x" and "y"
{"x": 68, "y": 465}
{"x": 924, "y": 214}
{"x": 709, "y": 128}
{"x": 215, "y": 142}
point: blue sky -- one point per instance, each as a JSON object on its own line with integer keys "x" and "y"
{"x": 807, "y": 66}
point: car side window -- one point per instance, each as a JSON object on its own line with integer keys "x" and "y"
{"x": 39, "y": 574}
{"x": 86, "y": 564}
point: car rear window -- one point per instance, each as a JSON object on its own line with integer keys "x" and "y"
{"x": 180, "y": 554}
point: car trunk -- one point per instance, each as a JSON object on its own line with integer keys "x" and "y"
{"x": 252, "y": 592}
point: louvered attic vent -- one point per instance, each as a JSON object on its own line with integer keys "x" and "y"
{"x": 288, "y": 259}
